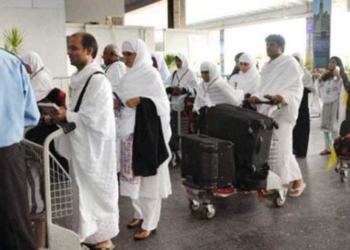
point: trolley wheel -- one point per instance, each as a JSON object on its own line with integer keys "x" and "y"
{"x": 194, "y": 206}
{"x": 343, "y": 175}
{"x": 279, "y": 201}
{"x": 208, "y": 213}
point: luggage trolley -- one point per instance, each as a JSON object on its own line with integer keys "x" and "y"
{"x": 342, "y": 150}
{"x": 200, "y": 198}
{"x": 58, "y": 191}
{"x": 343, "y": 168}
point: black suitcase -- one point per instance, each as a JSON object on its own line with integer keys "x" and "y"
{"x": 207, "y": 162}
{"x": 249, "y": 131}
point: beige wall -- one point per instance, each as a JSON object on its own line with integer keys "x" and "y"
{"x": 83, "y": 11}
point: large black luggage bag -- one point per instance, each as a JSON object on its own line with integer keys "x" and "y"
{"x": 207, "y": 162}
{"x": 249, "y": 131}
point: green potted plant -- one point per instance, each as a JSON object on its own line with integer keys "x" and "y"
{"x": 170, "y": 61}
{"x": 13, "y": 40}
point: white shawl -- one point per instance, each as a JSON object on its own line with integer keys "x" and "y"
{"x": 249, "y": 82}
{"x": 41, "y": 77}
{"x": 216, "y": 91}
{"x": 114, "y": 73}
{"x": 92, "y": 154}
{"x": 307, "y": 77}
{"x": 162, "y": 67}
{"x": 282, "y": 76}
{"x": 329, "y": 90}
{"x": 143, "y": 80}
{"x": 185, "y": 78}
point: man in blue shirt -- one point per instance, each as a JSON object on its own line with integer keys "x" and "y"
{"x": 18, "y": 110}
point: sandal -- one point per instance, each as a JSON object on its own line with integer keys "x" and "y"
{"x": 92, "y": 247}
{"x": 296, "y": 192}
{"x": 103, "y": 248}
{"x": 144, "y": 234}
{"x": 135, "y": 223}
{"x": 325, "y": 152}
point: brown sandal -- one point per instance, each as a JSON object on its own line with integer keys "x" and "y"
{"x": 144, "y": 234}
{"x": 135, "y": 223}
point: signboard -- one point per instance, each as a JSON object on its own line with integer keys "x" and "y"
{"x": 321, "y": 32}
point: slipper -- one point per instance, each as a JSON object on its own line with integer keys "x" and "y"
{"x": 299, "y": 190}
{"x": 135, "y": 223}
{"x": 325, "y": 152}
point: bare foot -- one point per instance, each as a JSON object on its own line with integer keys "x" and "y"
{"x": 298, "y": 184}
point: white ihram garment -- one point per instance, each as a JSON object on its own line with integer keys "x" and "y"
{"x": 91, "y": 152}
{"x": 283, "y": 76}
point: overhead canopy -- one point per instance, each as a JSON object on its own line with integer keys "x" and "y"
{"x": 218, "y": 14}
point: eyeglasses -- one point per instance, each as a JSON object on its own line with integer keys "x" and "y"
{"x": 243, "y": 64}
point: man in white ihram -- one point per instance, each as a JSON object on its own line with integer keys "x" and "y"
{"x": 90, "y": 148}
{"x": 281, "y": 78}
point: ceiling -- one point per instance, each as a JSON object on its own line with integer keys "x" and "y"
{"x": 204, "y": 10}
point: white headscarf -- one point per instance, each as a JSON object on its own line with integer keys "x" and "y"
{"x": 33, "y": 60}
{"x": 184, "y": 61}
{"x": 216, "y": 91}
{"x": 142, "y": 80}
{"x": 299, "y": 56}
{"x": 213, "y": 71}
{"x": 307, "y": 77}
{"x": 249, "y": 82}
{"x": 162, "y": 67}
{"x": 41, "y": 77}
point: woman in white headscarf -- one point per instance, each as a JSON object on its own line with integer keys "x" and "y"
{"x": 248, "y": 78}
{"x": 40, "y": 76}
{"x": 142, "y": 85}
{"x": 180, "y": 84}
{"x": 182, "y": 81}
{"x": 214, "y": 90}
{"x": 160, "y": 65}
{"x": 301, "y": 130}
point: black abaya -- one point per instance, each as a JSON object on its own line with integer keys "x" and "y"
{"x": 301, "y": 130}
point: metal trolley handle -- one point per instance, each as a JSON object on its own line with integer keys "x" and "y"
{"x": 67, "y": 127}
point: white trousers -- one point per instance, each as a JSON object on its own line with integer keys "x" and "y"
{"x": 149, "y": 210}
{"x": 288, "y": 167}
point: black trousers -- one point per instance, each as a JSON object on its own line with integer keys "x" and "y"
{"x": 15, "y": 226}
{"x": 301, "y": 132}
